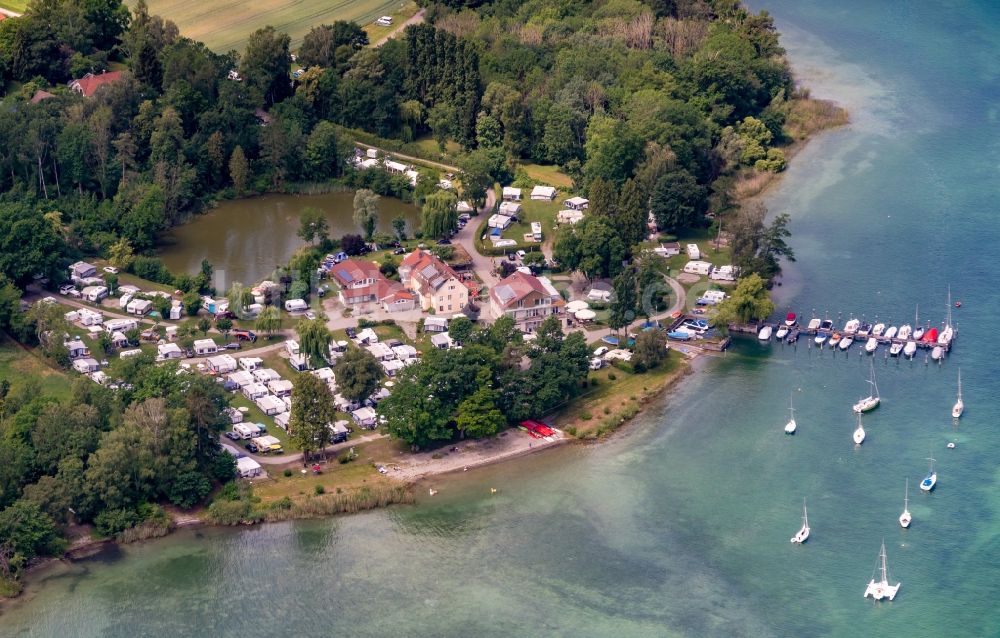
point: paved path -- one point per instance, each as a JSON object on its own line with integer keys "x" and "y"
{"x": 285, "y": 459}
{"x": 416, "y": 18}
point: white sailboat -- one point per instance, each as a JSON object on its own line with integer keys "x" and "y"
{"x": 918, "y": 330}
{"x": 948, "y": 332}
{"x": 803, "y": 534}
{"x": 872, "y": 401}
{"x": 905, "y": 518}
{"x": 959, "y": 407}
{"x": 790, "y": 426}
{"x": 931, "y": 479}
{"x": 881, "y": 589}
{"x": 859, "y": 433}
{"x": 910, "y": 349}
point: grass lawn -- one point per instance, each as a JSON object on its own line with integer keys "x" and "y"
{"x": 225, "y": 25}
{"x": 614, "y": 401}
{"x": 18, "y": 365}
{"x": 548, "y": 174}
{"x": 17, "y": 6}
{"x": 531, "y": 211}
{"x": 429, "y": 148}
{"x": 402, "y": 12}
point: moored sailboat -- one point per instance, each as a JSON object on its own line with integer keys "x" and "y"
{"x": 881, "y": 588}
{"x": 791, "y": 425}
{"x": 905, "y": 518}
{"x": 873, "y": 399}
{"x": 802, "y": 535}
{"x": 859, "y": 432}
{"x": 959, "y": 407}
{"x": 931, "y": 479}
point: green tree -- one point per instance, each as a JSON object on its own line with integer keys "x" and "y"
{"x": 757, "y": 247}
{"x": 313, "y": 225}
{"x": 264, "y": 65}
{"x": 650, "y": 349}
{"x": 399, "y": 226}
{"x": 358, "y": 374}
{"x": 314, "y": 340}
{"x": 240, "y": 298}
{"x": 442, "y": 120}
{"x": 239, "y": 170}
{"x": 439, "y": 214}
{"x": 312, "y": 414}
{"x": 120, "y": 254}
{"x": 626, "y": 300}
{"x": 603, "y": 198}
{"x": 268, "y": 321}
{"x": 478, "y": 168}
{"x": 478, "y": 415}
{"x": 748, "y": 302}
{"x": 322, "y": 153}
{"x": 204, "y": 325}
{"x": 678, "y": 201}
{"x": 191, "y": 302}
{"x": 224, "y": 325}
{"x": 111, "y": 281}
{"x": 460, "y": 329}
{"x": 632, "y": 213}
{"x": 28, "y": 532}
{"x": 414, "y": 415}
{"x": 613, "y": 149}
{"x": 366, "y": 205}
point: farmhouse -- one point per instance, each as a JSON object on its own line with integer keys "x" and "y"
{"x": 434, "y": 282}
{"x": 87, "y": 85}
{"x": 527, "y": 299}
{"x": 544, "y": 193}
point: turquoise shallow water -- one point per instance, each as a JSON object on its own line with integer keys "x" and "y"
{"x": 680, "y": 526}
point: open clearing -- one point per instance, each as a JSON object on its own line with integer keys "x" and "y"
{"x": 225, "y": 25}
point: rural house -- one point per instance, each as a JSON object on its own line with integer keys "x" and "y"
{"x": 434, "y": 282}
{"x": 527, "y": 299}
{"x": 89, "y": 83}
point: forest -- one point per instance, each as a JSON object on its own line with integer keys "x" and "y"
{"x": 648, "y": 105}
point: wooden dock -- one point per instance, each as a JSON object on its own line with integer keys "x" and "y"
{"x": 800, "y": 331}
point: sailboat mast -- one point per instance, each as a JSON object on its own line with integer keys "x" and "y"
{"x": 885, "y": 570}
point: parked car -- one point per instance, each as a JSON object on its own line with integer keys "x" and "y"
{"x": 443, "y": 242}
{"x": 111, "y": 270}
{"x": 511, "y": 257}
{"x": 310, "y": 314}
{"x": 64, "y": 290}
{"x": 399, "y": 251}
{"x": 232, "y": 436}
{"x": 235, "y": 345}
{"x": 600, "y": 352}
{"x": 251, "y": 448}
{"x": 245, "y": 335}
{"x": 351, "y": 332}
{"x": 521, "y": 254}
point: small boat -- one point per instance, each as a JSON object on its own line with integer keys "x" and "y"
{"x": 790, "y": 426}
{"x": 852, "y": 326}
{"x": 959, "y": 407}
{"x": 790, "y": 319}
{"x": 871, "y": 345}
{"x": 930, "y": 336}
{"x": 802, "y": 535}
{"x": 918, "y": 330}
{"x": 826, "y": 324}
{"x": 821, "y": 338}
{"x": 951, "y": 445}
{"x": 859, "y": 433}
{"x": 890, "y": 332}
{"x": 814, "y": 323}
{"x": 881, "y": 589}
{"x": 679, "y": 335}
{"x": 878, "y": 330}
{"x": 765, "y": 333}
{"x": 872, "y": 401}
{"x": 948, "y": 332}
{"x": 846, "y": 342}
{"x": 905, "y": 518}
{"x": 937, "y": 353}
{"x": 905, "y": 332}
{"x": 781, "y": 332}
{"x": 864, "y": 330}
{"x": 793, "y": 336}
{"x": 896, "y": 348}
{"x": 910, "y": 349}
{"x": 835, "y": 339}
{"x": 931, "y": 479}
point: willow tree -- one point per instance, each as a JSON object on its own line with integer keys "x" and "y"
{"x": 366, "y": 211}
{"x": 314, "y": 339}
{"x": 748, "y": 302}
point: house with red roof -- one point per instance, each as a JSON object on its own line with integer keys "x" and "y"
{"x": 434, "y": 282}
{"x": 361, "y": 283}
{"x": 527, "y": 299}
{"x": 88, "y": 84}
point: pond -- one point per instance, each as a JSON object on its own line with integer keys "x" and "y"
{"x": 245, "y": 239}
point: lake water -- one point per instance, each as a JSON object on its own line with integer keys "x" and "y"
{"x": 247, "y": 238}
{"x": 680, "y": 526}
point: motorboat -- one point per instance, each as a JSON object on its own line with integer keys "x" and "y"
{"x": 790, "y": 426}
{"x": 814, "y": 323}
{"x": 959, "y": 407}
{"x": 852, "y": 326}
{"x": 872, "y": 401}
{"x": 859, "y": 432}
{"x": 905, "y": 332}
{"x": 802, "y": 535}
{"x": 905, "y": 517}
{"x": 781, "y": 332}
{"x": 931, "y": 479}
{"x": 679, "y": 335}
{"x": 890, "y": 332}
{"x": 790, "y": 319}
{"x": 896, "y": 348}
{"x": 910, "y": 349}
{"x": 881, "y": 589}
{"x": 821, "y": 337}
{"x": 793, "y": 336}
{"x": 846, "y": 342}
{"x": 871, "y": 345}
{"x": 878, "y": 330}
{"x": 835, "y": 339}
{"x": 826, "y": 324}
{"x": 765, "y": 333}
{"x": 864, "y": 330}
{"x": 937, "y": 353}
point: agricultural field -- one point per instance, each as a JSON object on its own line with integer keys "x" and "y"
{"x": 225, "y": 25}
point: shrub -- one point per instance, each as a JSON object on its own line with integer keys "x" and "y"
{"x": 287, "y": 472}
{"x": 586, "y": 416}
{"x": 611, "y": 376}
{"x": 607, "y": 410}
{"x": 320, "y": 490}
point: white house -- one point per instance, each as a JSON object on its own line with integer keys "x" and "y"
{"x": 280, "y": 388}
{"x": 569, "y": 216}
{"x": 139, "y": 306}
{"x": 205, "y": 346}
{"x": 166, "y": 351}
{"x": 723, "y": 273}
{"x": 241, "y": 378}
{"x": 88, "y": 317}
{"x": 694, "y": 253}
{"x": 94, "y": 293}
{"x": 577, "y": 203}
{"x": 246, "y": 467}
{"x": 697, "y": 267}
{"x": 85, "y": 365}
{"x": 296, "y": 305}
{"x": 251, "y": 363}
{"x": 254, "y": 391}
{"x": 270, "y": 405}
{"x": 545, "y": 193}
{"x": 222, "y": 364}
{"x": 511, "y": 194}
{"x": 364, "y": 417}
{"x": 265, "y": 375}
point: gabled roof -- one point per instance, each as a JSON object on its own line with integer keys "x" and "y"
{"x": 518, "y": 286}
{"x": 427, "y": 271}
{"x": 88, "y": 84}
{"x": 350, "y": 271}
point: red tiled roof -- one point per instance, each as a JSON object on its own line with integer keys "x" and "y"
{"x": 516, "y": 286}
{"x": 39, "y": 94}
{"x": 89, "y": 83}
{"x": 351, "y": 270}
